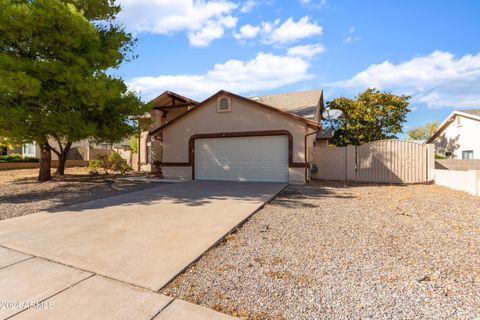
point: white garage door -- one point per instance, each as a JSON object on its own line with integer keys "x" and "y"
{"x": 242, "y": 159}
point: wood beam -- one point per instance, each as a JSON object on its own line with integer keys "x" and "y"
{"x": 183, "y": 105}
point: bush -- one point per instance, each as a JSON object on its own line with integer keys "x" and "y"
{"x": 15, "y": 157}
{"x": 114, "y": 162}
{"x": 117, "y": 163}
{"x": 93, "y": 165}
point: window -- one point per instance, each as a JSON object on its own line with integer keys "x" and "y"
{"x": 224, "y": 104}
{"x": 459, "y": 121}
{"x": 3, "y": 151}
{"x": 28, "y": 150}
{"x": 105, "y": 146}
{"x": 467, "y": 154}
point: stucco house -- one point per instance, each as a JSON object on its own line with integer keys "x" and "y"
{"x": 231, "y": 137}
{"x": 458, "y": 137}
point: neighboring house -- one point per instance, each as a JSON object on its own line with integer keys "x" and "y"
{"x": 458, "y": 136}
{"x": 26, "y": 150}
{"x": 231, "y": 137}
{"x": 81, "y": 150}
{"x": 5, "y": 151}
{"x": 324, "y": 137}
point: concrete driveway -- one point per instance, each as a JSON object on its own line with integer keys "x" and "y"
{"x": 143, "y": 238}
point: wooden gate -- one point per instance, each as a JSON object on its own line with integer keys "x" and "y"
{"x": 386, "y": 161}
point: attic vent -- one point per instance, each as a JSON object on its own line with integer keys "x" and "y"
{"x": 224, "y": 104}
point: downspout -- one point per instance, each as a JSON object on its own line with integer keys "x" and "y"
{"x": 306, "y": 151}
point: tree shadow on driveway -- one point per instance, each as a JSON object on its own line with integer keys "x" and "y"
{"x": 192, "y": 194}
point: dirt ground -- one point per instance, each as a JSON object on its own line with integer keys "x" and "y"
{"x": 347, "y": 251}
{"x": 21, "y": 193}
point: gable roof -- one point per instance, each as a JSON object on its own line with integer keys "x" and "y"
{"x": 301, "y": 103}
{"x": 471, "y": 114}
{"x": 167, "y": 100}
{"x": 308, "y": 122}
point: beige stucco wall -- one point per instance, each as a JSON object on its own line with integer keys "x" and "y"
{"x": 243, "y": 117}
{"x": 143, "y": 147}
{"x": 460, "y": 138}
{"x": 157, "y": 119}
{"x": 15, "y": 149}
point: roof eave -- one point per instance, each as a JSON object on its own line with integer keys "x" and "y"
{"x": 447, "y": 121}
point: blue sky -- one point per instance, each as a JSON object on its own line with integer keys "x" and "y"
{"x": 427, "y": 49}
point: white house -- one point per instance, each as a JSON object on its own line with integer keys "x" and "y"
{"x": 458, "y": 137}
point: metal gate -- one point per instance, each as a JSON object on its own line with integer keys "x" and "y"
{"x": 385, "y": 161}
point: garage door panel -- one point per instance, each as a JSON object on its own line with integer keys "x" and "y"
{"x": 242, "y": 159}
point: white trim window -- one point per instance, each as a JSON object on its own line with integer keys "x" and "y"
{"x": 467, "y": 155}
{"x": 28, "y": 149}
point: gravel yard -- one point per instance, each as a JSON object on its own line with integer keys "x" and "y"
{"x": 335, "y": 250}
{"x": 21, "y": 194}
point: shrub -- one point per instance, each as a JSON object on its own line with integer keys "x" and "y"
{"x": 93, "y": 165}
{"x": 15, "y": 157}
{"x": 117, "y": 163}
{"x": 104, "y": 163}
{"x": 30, "y": 159}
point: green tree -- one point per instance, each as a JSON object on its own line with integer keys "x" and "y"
{"x": 133, "y": 142}
{"x": 372, "y": 115}
{"x": 423, "y": 133}
{"x": 53, "y": 82}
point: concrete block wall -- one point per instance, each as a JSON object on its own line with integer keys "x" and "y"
{"x": 468, "y": 181}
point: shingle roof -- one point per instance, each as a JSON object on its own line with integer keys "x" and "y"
{"x": 301, "y": 103}
{"x": 475, "y": 112}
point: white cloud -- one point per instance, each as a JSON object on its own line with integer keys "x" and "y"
{"x": 248, "y": 6}
{"x": 211, "y": 31}
{"x": 284, "y": 33}
{"x": 204, "y": 21}
{"x": 307, "y": 51}
{"x": 265, "y": 71}
{"x": 316, "y": 4}
{"x": 349, "y": 35}
{"x": 291, "y": 31}
{"x": 247, "y": 31}
{"x": 438, "y": 79}
{"x": 351, "y": 39}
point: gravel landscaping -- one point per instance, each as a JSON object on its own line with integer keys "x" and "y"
{"x": 21, "y": 194}
{"x": 346, "y": 251}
